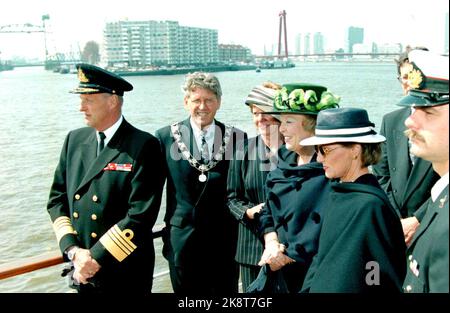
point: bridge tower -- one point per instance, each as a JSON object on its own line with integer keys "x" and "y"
{"x": 282, "y": 16}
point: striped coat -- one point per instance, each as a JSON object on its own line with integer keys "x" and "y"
{"x": 246, "y": 180}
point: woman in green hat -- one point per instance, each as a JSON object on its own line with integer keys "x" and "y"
{"x": 291, "y": 219}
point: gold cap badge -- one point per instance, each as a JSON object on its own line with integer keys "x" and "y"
{"x": 82, "y": 77}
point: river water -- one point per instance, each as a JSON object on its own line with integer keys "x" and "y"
{"x": 36, "y": 112}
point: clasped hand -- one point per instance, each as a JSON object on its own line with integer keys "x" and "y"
{"x": 274, "y": 256}
{"x": 85, "y": 266}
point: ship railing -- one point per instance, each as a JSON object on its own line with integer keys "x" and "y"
{"x": 52, "y": 258}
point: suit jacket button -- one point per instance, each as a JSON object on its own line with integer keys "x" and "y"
{"x": 408, "y": 288}
{"x": 93, "y": 217}
{"x": 75, "y": 214}
{"x": 93, "y": 235}
{"x": 94, "y": 198}
{"x": 77, "y": 197}
{"x": 394, "y": 169}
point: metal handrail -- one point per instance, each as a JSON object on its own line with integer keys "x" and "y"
{"x": 26, "y": 265}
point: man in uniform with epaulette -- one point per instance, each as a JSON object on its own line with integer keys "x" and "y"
{"x": 105, "y": 198}
{"x": 428, "y": 130}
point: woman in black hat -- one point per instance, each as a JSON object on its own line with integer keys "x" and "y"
{"x": 361, "y": 242}
{"x": 290, "y": 220}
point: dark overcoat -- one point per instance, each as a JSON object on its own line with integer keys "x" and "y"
{"x": 407, "y": 186}
{"x": 296, "y": 197}
{"x": 200, "y": 235}
{"x": 427, "y": 256}
{"x": 109, "y": 203}
{"x": 361, "y": 245}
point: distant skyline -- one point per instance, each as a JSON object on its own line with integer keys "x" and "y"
{"x": 253, "y": 23}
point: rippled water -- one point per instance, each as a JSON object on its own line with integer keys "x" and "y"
{"x": 36, "y": 112}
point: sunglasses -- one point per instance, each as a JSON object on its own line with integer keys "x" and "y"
{"x": 324, "y": 150}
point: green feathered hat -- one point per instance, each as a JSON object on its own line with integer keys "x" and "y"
{"x": 303, "y": 98}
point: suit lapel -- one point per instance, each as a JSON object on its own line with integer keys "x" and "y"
{"x": 432, "y": 210}
{"x": 88, "y": 151}
{"x": 188, "y": 138}
{"x": 110, "y": 151}
{"x": 218, "y": 136}
{"x": 418, "y": 172}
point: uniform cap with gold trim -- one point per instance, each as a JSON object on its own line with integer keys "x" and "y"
{"x": 428, "y": 80}
{"x": 94, "y": 79}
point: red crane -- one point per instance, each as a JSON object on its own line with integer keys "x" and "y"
{"x": 282, "y": 16}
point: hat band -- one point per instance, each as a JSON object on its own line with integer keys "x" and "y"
{"x": 345, "y": 132}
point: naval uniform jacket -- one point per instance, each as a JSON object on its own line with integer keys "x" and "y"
{"x": 296, "y": 197}
{"x": 360, "y": 226}
{"x": 200, "y": 234}
{"x": 427, "y": 256}
{"x": 407, "y": 186}
{"x": 246, "y": 181}
{"x": 109, "y": 203}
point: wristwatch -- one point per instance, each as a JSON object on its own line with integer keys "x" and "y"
{"x": 71, "y": 252}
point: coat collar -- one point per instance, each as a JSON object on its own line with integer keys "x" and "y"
{"x": 112, "y": 149}
{"x": 433, "y": 210}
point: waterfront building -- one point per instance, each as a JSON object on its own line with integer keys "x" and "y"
{"x": 307, "y": 41}
{"x": 143, "y": 43}
{"x": 318, "y": 43}
{"x": 234, "y": 54}
{"x": 355, "y": 36}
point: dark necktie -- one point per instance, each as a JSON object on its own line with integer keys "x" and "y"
{"x": 204, "y": 148}
{"x": 101, "y": 144}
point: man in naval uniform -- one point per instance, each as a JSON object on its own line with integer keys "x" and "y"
{"x": 405, "y": 178}
{"x": 200, "y": 234}
{"x": 104, "y": 198}
{"x": 428, "y": 127}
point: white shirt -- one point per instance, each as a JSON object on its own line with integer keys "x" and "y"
{"x": 209, "y": 137}
{"x": 109, "y": 133}
{"x": 438, "y": 187}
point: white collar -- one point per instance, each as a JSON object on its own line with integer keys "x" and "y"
{"x": 109, "y": 133}
{"x": 210, "y": 130}
{"x": 209, "y": 136}
{"x": 439, "y": 186}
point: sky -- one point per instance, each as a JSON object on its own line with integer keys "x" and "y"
{"x": 251, "y": 23}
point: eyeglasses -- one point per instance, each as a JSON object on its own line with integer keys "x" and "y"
{"x": 324, "y": 150}
{"x": 402, "y": 79}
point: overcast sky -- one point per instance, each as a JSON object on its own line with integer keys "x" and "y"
{"x": 252, "y": 23}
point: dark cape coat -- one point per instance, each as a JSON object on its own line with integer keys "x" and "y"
{"x": 361, "y": 245}
{"x": 296, "y": 197}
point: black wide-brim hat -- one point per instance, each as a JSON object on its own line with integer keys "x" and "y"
{"x": 94, "y": 79}
{"x": 343, "y": 125}
{"x": 428, "y": 80}
{"x": 303, "y": 98}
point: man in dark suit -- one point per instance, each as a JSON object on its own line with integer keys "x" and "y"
{"x": 428, "y": 131}
{"x": 406, "y": 179}
{"x": 105, "y": 198}
{"x": 200, "y": 234}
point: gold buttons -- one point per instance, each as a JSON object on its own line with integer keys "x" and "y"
{"x": 75, "y": 214}
{"x": 93, "y": 235}
{"x": 94, "y": 217}
{"x": 77, "y": 197}
{"x": 408, "y": 288}
{"x": 94, "y": 198}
